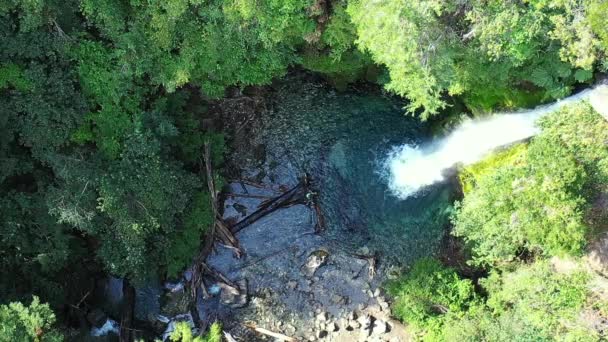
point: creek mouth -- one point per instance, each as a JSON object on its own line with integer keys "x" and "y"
{"x": 342, "y": 141}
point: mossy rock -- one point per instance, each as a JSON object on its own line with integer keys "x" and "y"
{"x": 470, "y": 174}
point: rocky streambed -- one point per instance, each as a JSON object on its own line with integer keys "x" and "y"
{"x": 328, "y": 285}
{"x": 309, "y": 285}
{"x": 291, "y": 279}
{"x": 299, "y": 283}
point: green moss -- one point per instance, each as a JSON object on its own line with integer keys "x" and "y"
{"x": 470, "y": 174}
{"x": 492, "y": 99}
{"x": 183, "y": 333}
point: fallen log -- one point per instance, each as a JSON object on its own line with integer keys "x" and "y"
{"x": 223, "y": 232}
{"x": 232, "y": 194}
{"x": 253, "y": 184}
{"x": 296, "y": 195}
{"x": 216, "y": 275}
{"x": 218, "y": 230}
{"x": 372, "y": 260}
{"x": 267, "y": 332}
{"x": 229, "y": 337}
{"x": 197, "y": 282}
{"x": 320, "y": 225}
{"x": 313, "y": 203}
{"x": 299, "y": 194}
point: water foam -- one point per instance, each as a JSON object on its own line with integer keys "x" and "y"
{"x": 412, "y": 168}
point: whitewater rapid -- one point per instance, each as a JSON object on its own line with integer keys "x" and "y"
{"x": 412, "y": 168}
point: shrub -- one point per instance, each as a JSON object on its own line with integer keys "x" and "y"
{"x": 531, "y": 303}
{"x": 428, "y": 292}
{"x": 545, "y": 299}
{"x": 20, "y": 323}
{"x": 185, "y": 243}
{"x": 534, "y": 204}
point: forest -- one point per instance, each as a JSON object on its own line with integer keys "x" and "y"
{"x": 105, "y": 116}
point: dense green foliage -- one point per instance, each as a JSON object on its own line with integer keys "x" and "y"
{"x": 19, "y": 323}
{"x": 534, "y": 203}
{"x": 100, "y": 143}
{"x": 96, "y": 161}
{"x": 428, "y": 292}
{"x": 493, "y": 53}
{"x": 522, "y": 206}
{"x": 335, "y": 55}
{"x": 184, "y": 245}
{"x": 532, "y": 303}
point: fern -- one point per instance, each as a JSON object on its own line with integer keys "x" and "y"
{"x": 541, "y": 78}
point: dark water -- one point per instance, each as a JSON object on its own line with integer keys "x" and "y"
{"x": 342, "y": 140}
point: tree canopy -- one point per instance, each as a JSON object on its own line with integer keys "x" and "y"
{"x": 100, "y": 147}
{"x": 492, "y": 53}
{"x": 21, "y": 323}
{"x": 535, "y": 203}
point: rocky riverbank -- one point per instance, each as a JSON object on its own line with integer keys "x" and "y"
{"x": 300, "y": 283}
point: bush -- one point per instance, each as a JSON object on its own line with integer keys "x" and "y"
{"x": 534, "y": 204}
{"x": 185, "y": 243}
{"x": 19, "y": 323}
{"x": 582, "y": 132}
{"x": 144, "y": 195}
{"x": 428, "y": 292}
{"x": 532, "y": 303}
{"x": 544, "y": 298}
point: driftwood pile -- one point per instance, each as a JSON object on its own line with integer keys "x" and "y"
{"x": 224, "y": 233}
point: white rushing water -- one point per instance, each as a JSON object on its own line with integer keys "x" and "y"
{"x": 411, "y": 168}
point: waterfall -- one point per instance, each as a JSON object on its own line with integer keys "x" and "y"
{"x": 411, "y": 168}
